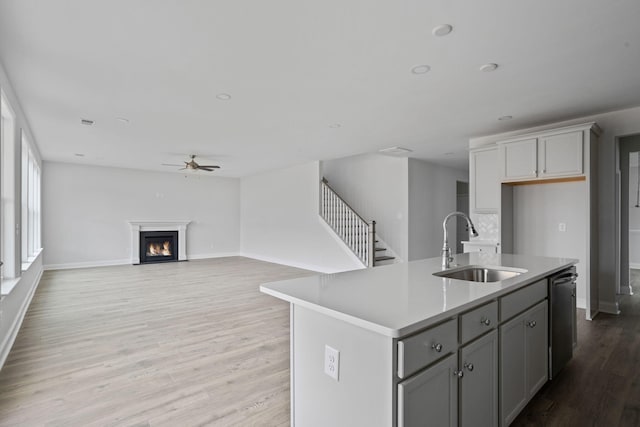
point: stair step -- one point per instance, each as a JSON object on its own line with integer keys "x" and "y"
{"x": 384, "y": 258}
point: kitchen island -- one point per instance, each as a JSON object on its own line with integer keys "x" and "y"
{"x": 390, "y": 346}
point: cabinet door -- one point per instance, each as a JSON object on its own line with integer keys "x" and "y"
{"x": 485, "y": 180}
{"x": 513, "y": 382}
{"x": 560, "y": 155}
{"x": 431, "y": 397}
{"x": 524, "y": 360}
{"x": 537, "y": 350}
{"x": 519, "y": 160}
{"x": 479, "y": 385}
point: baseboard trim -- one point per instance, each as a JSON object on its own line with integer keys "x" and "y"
{"x": 87, "y": 264}
{"x": 634, "y": 265}
{"x": 7, "y": 343}
{"x": 213, "y": 255}
{"x": 609, "y": 307}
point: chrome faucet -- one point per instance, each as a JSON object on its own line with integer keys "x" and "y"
{"x": 446, "y": 251}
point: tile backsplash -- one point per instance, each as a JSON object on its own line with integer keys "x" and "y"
{"x": 487, "y": 226}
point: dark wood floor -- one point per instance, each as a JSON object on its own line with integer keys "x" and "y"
{"x": 601, "y": 384}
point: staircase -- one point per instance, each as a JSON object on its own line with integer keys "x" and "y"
{"x": 357, "y": 233}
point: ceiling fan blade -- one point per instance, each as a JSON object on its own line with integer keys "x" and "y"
{"x": 168, "y": 164}
{"x": 205, "y": 169}
{"x": 210, "y": 166}
{"x": 182, "y": 169}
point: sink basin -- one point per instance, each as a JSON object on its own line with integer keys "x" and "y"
{"x": 479, "y": 273}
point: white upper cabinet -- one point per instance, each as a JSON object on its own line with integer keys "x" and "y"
{"x": 547, "y": 156}
{"x": 560, "y": 155}
{"x": 519, "y": 159}
{"x": 484, "y": 172}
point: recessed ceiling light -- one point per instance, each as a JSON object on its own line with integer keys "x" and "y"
{"x": 505, "y": 118}
{"x": 79, "y": 155}
{"x": 449, "y": 153}
{"x": 420, "y": 69}
{"x": 223, "y": 96}
{"x": 123, "y": 120}
{"x": 442, "y": 30}
{"x": 488, "y": 67}
{"x": 335, "y": 125}
{"x": 395, "y": 151}
{"x": 87, "y": 122}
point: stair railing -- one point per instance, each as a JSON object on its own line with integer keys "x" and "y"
{"x": 357, "y": 233}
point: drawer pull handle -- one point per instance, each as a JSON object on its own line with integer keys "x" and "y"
{"x": 437, "y": 347}
{"x": 485, "y": 321}
{"x": 458, "y": 374}
{"x": 469, "y": 366}
{"x": 531, "y": 324}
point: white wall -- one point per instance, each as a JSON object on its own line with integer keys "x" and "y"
{"x": 537, "y": 212}
{"x": 86, "y": 209}
{"x": 432, "y": 195}
{"x": 280, "y": 221}
{"x": 376, "y": 187}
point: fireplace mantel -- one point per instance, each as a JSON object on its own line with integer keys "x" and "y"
{"x": 158, "y": 225}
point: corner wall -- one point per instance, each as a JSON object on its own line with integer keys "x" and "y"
{"x": 85, "y": 212}
{"x": 432, "y": 195}
{"x": 280, "y": 221}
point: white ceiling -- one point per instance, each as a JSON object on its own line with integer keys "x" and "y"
{"x": 294, "y": 68}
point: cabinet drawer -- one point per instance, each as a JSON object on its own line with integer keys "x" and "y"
{"x": 478, "y": 321}
{"x": 418, "y": 351}
{"x": 520, "y": 300}
{"x": 474, "y": 247}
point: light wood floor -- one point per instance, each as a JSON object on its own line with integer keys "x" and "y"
{"x": 195, "y": 343}
{"x": 179, "y": 344}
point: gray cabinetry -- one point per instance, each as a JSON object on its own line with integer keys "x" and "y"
{"x": 523, "y": 360}
{"x": 479, "y": 368}
{"x": 431, "y": 397}
{"x": 479, "y": 385}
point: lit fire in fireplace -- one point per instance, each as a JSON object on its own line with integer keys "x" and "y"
{"x": 159, "y": 249}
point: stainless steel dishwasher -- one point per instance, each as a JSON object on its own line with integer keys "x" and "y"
{"x": 562, "y": 319}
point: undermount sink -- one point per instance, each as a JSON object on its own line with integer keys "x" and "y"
{"x": 478, "y": 273}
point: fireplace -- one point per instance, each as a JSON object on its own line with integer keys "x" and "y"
{"x": 157, "y": 232}
{"x": 158, "y": 246}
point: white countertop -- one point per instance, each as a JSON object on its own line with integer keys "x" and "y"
{"x": 399, "y": 299}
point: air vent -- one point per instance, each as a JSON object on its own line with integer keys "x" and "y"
{"x": 86, "y": 122}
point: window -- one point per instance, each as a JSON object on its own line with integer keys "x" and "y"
{"x": 8, "y": 191}
{"x": 30, "y": 202}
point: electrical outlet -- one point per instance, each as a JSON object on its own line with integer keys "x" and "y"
{"x": 562, "y": 226}
{"x": 332, "y": 362}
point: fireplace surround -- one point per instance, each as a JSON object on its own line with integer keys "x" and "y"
{"x": 178, "y": 249}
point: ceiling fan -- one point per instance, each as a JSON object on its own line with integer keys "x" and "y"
{"x": 193, "y": 165}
